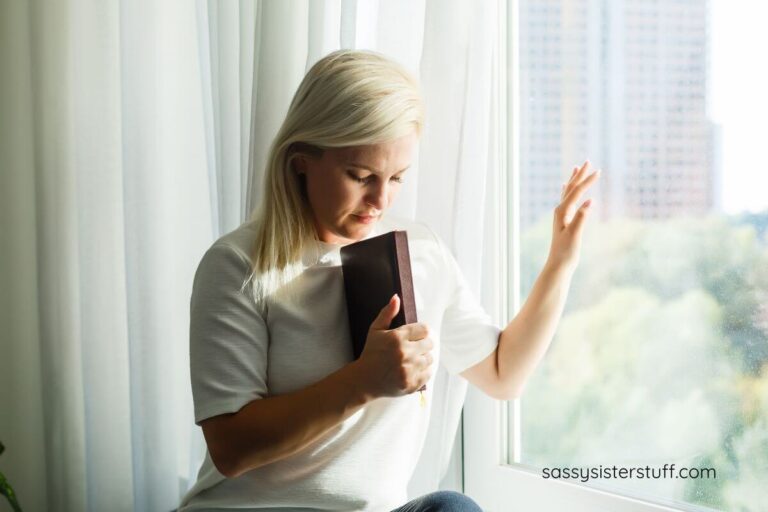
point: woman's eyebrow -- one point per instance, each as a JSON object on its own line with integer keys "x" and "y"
{"x": 367, "y": 168}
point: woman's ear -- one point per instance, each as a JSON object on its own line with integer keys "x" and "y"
{"x": 300, "y": 164}
{"x": 301, "y": 154}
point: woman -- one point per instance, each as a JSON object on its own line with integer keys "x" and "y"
{"x": 290, "y": 420}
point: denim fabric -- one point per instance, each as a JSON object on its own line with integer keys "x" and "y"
{"x": 441, "y": 501}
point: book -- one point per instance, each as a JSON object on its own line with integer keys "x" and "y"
{"x": 375, "y": 269}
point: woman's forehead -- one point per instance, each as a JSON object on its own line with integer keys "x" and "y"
{"x": 377, "y": 156}
{"x": 355, "y": 153}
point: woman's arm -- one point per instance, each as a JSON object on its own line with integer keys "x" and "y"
{"x": 524, "y": 341}
{"x": 269, "y": 429}
{"x": 394, "y": 363}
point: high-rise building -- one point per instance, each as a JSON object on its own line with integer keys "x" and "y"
{"x": 624, "y": 83}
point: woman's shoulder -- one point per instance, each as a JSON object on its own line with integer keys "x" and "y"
{"x": 240, "y": 240}
{"x": 229, "y": 255}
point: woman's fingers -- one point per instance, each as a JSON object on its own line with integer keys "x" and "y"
{"x": 579, "y": 189}
{"x": 578, "y": 222}
{"x": 587, "y": 182}
{"x": 577, "y": 175}
{"x": 572, "y": 194}
{"x": 573, "y": 173}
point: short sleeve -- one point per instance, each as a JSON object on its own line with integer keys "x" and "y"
{"x": 228, "y": 338}
{"x": 468, "y": 334}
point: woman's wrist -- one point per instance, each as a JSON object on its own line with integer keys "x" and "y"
{"x": 362, "y": 391}
{"x": 560, "y": 267}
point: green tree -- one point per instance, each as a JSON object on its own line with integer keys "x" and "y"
{"x": 661, "y": 348}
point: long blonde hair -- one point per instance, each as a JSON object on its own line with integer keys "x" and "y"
{"x": 348, "y": 98}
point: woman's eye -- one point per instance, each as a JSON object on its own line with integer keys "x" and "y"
{"x": 359, "y": 179}
{"x": 371, "y": 178}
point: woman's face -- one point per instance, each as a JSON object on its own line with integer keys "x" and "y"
{"x": 349, "y": 188}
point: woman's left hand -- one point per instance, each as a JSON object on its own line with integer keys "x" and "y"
{"x": 569, "y": 219}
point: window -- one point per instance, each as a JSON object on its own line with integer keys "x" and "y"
{"x": 661, "y": 356}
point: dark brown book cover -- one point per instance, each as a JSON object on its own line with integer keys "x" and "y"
{"x": 374, "y": 270}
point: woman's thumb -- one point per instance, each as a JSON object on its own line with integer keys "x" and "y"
{"x": 387, "y": 313}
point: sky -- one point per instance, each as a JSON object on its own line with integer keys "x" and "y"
{"x": 740, "y": 100}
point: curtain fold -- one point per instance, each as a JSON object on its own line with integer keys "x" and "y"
{"x": 282, "y": 59}
{"x": 171, "y": 211}
{"x": 21, "y": 410}
{"x": 133, "y": 134}
{"x": 454, "y": 167}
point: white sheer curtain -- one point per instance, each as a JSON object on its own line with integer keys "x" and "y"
{"x": 132, "y": 135}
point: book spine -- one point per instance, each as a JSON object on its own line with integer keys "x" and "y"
{"x": 406, "y": 279}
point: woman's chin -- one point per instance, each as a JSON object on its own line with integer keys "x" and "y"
{"x": 357, "y": 231}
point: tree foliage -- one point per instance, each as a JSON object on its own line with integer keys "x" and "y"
{"x": 661, "y": 357}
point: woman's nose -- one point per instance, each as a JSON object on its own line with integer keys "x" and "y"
{"x": 378, "y": 196}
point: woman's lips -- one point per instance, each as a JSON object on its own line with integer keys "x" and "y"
{"x": 364, "y": 219}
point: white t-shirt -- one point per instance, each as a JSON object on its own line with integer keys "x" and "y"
{"x": 238, "y": 355}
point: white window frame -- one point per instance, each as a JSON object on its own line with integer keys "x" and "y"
{"x": 497, "y": 484}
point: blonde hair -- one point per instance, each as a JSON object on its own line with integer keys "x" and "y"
{"x": 348, "y": 98}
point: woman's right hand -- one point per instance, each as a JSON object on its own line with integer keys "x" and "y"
{"x": 396, "y": 361}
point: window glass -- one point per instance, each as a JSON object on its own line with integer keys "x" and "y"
{"x": 661, "y": 356}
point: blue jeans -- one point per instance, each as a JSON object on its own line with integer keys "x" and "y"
{"x": 441, "y": 501}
